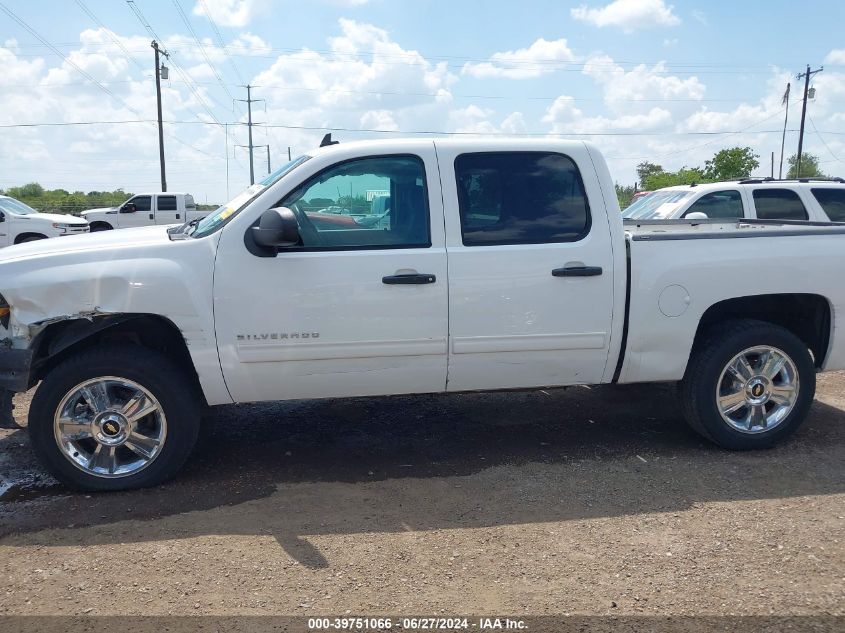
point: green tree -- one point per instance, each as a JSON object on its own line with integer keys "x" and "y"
{"x": 735, "y": 162}
{"x": 625, "y": 195}
{"x": 684, "y": 176}
{"x": 809, "y": 166}
{"x": 62, "y": 201}
{"x": 645, "y": 170}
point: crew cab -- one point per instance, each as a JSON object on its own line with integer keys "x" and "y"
{"x": 21, "y": 223}
{"x": 493, "y": 264}
{"x": 145, "y": 209}
{"x": 809, "y": 199}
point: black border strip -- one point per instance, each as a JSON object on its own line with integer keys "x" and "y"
{"x": 739, "y": 234}
{"x": 621, "y": 360}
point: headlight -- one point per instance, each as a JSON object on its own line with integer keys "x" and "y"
{"x": 61, "y": 227}
{"x": 5, "y": 312}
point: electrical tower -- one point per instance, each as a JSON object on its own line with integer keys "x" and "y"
{"x": 249, "y": 101}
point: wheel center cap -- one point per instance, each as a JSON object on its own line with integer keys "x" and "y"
{"x": 111, "y": 428}
{"x": 757, "y": 390}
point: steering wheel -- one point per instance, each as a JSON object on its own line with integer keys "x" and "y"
{"x": 310, "y": 235}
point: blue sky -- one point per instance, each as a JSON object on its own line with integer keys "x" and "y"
{"x": 643, "y": 79}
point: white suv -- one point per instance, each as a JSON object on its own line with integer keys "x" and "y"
{"x": 21, "y": 223}
{"x": 821, "y": 200}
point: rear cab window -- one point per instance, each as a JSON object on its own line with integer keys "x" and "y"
{"x": 779, "y": 204}
{"x": 832, "y": 202}
{"x": 520, "y": 198}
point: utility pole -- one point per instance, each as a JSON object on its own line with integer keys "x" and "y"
{"x": 784, "y": 101}
{"x": 806, "y": 77}
{"x": 249, "y": 101}
{"x": 256, "y": 147}
{"x": 159, "y": 69}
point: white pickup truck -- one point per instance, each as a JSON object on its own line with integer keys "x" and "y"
{"x": 145, "y": 209}
{"x": 495, "y": 264}
{"x": 21, "y": 223}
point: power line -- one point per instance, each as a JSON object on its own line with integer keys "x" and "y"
{"x": 400, "y": 132}
{"x": 184, "y": 74}
{"x": 821, "y": 138}
{"x": 187, "y": 23}
{"x": 221, "y": 42}
{"x": 109, "y": 34}
{"x": 534, "y": 62}
{"x": 401, "y": 93}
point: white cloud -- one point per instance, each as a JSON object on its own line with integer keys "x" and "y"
{"x": 641, "y": 83}
{"x": 563, "y": 117}
{"x": 836, "y": 57}
{"x": 379, "y": 120}
{"x": 514, "y": 123}
{"x": 541, "y": 58}
{"x": 700, "y": 17}
{"x": 362, "y": 64}
{"x": 629, "y": 15}
{"x": 233, "y": 13}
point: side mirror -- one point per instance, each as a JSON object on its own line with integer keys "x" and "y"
{"x": 276, "y": 229}
{"x": 2, "y": 217}
{"x": 129, "y": 207}
{"x": 696, "y": 215}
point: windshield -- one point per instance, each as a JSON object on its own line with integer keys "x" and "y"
{"x": 656, "y": 206}
{"x": 217, "y": 219}
{"x": 15, "y": 206}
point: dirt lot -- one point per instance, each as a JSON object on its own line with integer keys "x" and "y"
{"x": 582, "y": 501}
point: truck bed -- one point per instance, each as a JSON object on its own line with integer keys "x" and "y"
{"x": 672, "y": 286}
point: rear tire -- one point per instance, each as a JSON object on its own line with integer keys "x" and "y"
{"x": 84, "y": 406}
{"x": 749, "y": 384}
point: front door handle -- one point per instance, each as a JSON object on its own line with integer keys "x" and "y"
{"x": 152, "y": 217}
{"x": 409, "y": 278}
{"x": 577, "y": 271}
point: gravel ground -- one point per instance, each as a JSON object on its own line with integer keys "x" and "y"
{"x": 572, "y": 501}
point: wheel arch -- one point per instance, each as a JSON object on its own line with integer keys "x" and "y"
{"x": 62, "y": 339}
{"x": 808, "y": 316}
{"x": 23, "y": 236}
{"x": 101, "y": 225}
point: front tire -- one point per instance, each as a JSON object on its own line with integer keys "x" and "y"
{"x": 114, "y": 418}
{"x": 749, "y": 384}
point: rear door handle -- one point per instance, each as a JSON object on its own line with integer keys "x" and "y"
{"x": 577, "y": 271}
{"x": 409, "y": 278}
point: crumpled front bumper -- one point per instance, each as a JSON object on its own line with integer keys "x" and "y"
{"x": 15, "y": 369}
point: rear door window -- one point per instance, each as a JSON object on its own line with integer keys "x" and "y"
{"x": 832, "y": 201}
{"x": 520, "y": 198}
{"x": 166, "y": 203}
{"x": 779, "y": 204}
{"x": 718, "y": 204}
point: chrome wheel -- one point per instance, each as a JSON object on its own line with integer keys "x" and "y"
{"x": 757, "y": 389}
{"x": 110, "y": 427}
